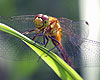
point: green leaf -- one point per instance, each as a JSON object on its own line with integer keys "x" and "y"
{"x": 62, "y": 69}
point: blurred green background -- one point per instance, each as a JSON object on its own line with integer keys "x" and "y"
{"x": 33, "y": 70}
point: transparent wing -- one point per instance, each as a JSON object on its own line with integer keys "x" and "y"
{"x": 75, "y": 31}
{"x": 75, "y": 42}
{"x": 20, "y": 23}
{"x": 11, "y": 47}
{"x": 90, "y": 53}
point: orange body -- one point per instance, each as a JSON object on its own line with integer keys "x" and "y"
{"x": 54, "y": 29}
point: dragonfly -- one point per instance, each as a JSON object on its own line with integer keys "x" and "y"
{"x": 66, "y": 35}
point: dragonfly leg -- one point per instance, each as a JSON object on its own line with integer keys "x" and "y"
{"x": 47, "y": 41}
{"x": 54, "y": 46}
{"x": 42, "y": 43}
{"x": 44, "y": 37}
{"x": 28, "y": 32}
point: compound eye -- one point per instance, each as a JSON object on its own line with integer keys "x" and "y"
{"x": 38, "y": 22}
{"x": 41, "y": 20}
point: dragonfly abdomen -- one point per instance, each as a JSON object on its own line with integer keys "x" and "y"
{"x": 63, "y": 54}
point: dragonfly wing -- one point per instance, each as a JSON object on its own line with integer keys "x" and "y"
{"x": 65, "y": 21}
{"x": 20, "y": 23}
{"x": 76, "y": 41}
{"x": 11, "y": 47}
{"x": 91, "y": 53}
{"x": 23, "y": 18}
{"x": 75, "y": 31}
{"x": 81, "y": 27}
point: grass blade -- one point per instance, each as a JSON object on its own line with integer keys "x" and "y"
{"x": 63, "y": 70}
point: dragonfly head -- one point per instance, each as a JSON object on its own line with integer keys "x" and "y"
{"x": 41, "y": 21}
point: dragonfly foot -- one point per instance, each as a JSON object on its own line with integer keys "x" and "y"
{"x": 25, "y": 33}
{"x": 47, "y": 54}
